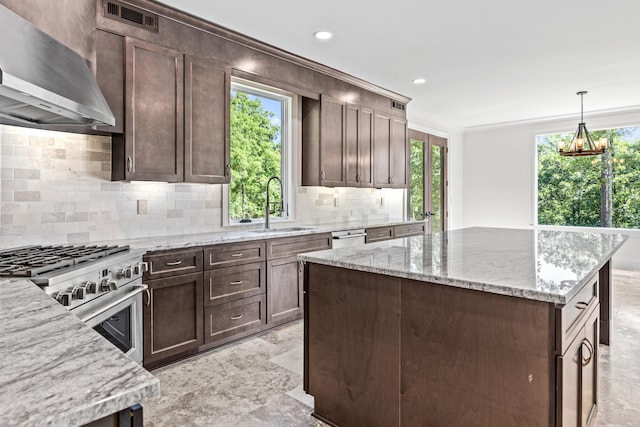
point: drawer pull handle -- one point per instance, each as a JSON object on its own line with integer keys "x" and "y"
{"x": 173, "y": 263}
{"x": 582, "y": 305}
{"x": 586, "y": 360}
{"x": 238, "y": 317}
{"x": 238, "y": 282}
{"x": 236, "y": 255}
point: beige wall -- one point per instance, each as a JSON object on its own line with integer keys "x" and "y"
{"x": 55, "y": 188}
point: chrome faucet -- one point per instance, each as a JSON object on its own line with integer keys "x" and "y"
{"x": 267, "y": 209}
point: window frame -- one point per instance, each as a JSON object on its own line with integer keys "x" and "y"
{"x": 543, "y": 132}
{"x": 288, "y": 135}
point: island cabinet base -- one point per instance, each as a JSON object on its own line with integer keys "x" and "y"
{"x": 352, "y": 356}
{"x": 385, "y": 351}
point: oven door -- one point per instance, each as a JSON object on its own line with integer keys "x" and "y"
{"x": 118, "y": 317}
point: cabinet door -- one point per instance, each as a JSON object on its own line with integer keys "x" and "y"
{"x": 381, "y": 150}
{"x": 173, "y": 318}
{"x": 352, "y": 141}
{"x": 398, "y": 148}
{"x": 284, "y": 290}
{"x": 206, "y": 114}
{"x": 578, "y": 376}
{"x": 153, "y": 131}
{"x": 365, "y": 148}
{"x": 359, "y": 144}
{"x": 332, "y": 142}
{"x": 589, "y": 358}
{"x": 569, "y": 366}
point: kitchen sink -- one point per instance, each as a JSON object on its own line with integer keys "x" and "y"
{"x": 282, "y": 230}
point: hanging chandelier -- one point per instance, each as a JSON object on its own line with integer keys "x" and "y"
{"x": 581, "y": 143}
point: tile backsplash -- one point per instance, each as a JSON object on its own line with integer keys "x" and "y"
{"x": 55, "y": 188}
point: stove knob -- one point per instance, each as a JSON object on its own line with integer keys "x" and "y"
{"x": 108, "y": 285}
{"x": 137, "y": 269}
{"x": 91, "y": 287}
{"x": 78, "y": 292}
{"x": 125, "y": 273}
{"x": 64, "y": 298}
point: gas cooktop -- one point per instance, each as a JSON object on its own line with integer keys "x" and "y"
{"x": 30, "y": 261}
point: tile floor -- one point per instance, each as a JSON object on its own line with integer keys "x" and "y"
{"x": 258, "y": 381}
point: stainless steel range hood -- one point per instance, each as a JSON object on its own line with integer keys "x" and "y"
{"x": 43, "y": 82}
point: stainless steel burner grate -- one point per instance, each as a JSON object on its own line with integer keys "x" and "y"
{"x": 29, "y": 261}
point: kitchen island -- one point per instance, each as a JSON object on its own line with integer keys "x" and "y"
{"x": 479, "y": 326}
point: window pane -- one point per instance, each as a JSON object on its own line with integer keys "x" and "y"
{"x": 256, "y": 152}
{"x": 436, "y": 188}
{"x": 592, "y": 191}
{"x": 416, "y": 201}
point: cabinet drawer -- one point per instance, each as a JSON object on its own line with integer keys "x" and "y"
{"x": 231, "y": 283}
{"x": 289, "y": 246}
{"x": 234, "y": 319}
{"x": 571, "y": 317}
{"x": 226, "y": 255}
{"x": 165, "y": 264}
{"x": 378, "y": 234}
{"x": 406, "y": 230}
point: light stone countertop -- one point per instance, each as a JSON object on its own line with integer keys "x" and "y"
{"x": 55, "y": 370}
{"x": 543, "y": 265}
{"x": 204, "y": 239}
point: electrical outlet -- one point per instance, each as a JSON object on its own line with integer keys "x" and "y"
{"x": 143, "y": 207}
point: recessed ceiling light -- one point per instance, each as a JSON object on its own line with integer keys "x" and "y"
{"x": 322, "y": 35}
{"x": 419, "y": 81}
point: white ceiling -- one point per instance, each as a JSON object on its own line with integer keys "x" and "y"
{"x": 485, "y": 62}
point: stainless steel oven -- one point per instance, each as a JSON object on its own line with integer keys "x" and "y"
{"x": 102, "y": 285}
{"x": 118, "y": 318}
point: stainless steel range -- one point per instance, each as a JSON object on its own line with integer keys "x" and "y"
{"x": 102, "y": 285}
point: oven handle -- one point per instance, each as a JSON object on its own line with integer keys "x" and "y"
{"x": 139, "y": 289}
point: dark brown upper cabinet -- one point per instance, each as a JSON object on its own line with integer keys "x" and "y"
{"x": 151, "y": 148}
{"x": 207, "y": 89}
{"x": 175, "y": 124}
{"x": 359, "y": 143}
{"x": 337, "y": 143}
{"x": 390, "y": 149}
{"x": 323, "y": 142}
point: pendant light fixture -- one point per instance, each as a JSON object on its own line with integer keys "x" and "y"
{"x": 581, "y": 143}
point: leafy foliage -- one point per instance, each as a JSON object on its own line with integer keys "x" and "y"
{"x": 416, "y": 186}
{"x": 255, "y": 156}
{"x": 570, "y": 188}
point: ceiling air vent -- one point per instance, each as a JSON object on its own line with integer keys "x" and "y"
{"x": 131, "y": 15}
{"x": 398, "y": 105}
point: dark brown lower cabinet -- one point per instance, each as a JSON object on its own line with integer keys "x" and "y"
{"x": 236, "y": 319}
{"x": 285, "y": 279}
{"x": 577, "y": 369}
{"x": 173, "y": 319}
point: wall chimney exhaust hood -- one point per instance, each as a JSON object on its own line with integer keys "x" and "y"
{"x": 43, "y": 82}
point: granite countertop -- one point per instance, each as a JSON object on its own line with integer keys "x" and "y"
{"x": 544, "y": 265}
{"x": 204, "y": 239}
{"x": 57, "y": 371}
